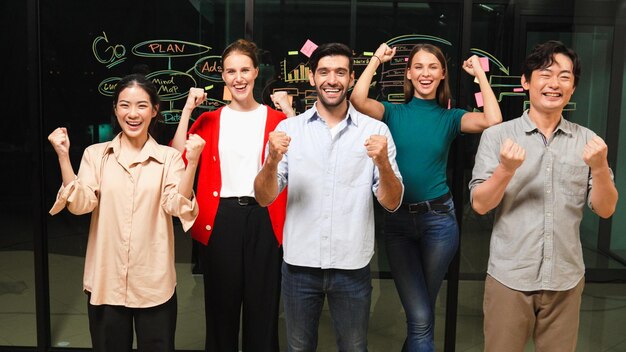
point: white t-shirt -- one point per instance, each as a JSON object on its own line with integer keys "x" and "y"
{"x": 240, "y": 147}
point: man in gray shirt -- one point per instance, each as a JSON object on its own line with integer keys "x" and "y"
{"x": 333, "y": 159}
{"x": 537, "y": 171}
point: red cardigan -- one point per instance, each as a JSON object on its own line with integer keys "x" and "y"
{"x": 210, "y": 176}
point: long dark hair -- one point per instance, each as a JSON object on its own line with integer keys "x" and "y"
{"x": 443, "y": 89}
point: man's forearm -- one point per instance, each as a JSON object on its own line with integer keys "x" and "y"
{"x": 390, "y": 189}
{"x": 266, "y": 184}
{"x": 488, "y": 194}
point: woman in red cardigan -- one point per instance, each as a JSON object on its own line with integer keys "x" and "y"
{"x": 240, "y": 253}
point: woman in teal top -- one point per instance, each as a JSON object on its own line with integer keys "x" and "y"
{"x": 423, "y": 235}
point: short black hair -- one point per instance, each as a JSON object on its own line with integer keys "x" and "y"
{"x": 330, "y": 49}
{"x": 542, "y": 56}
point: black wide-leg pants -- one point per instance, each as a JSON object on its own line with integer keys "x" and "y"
{"x": 241, "y": 266}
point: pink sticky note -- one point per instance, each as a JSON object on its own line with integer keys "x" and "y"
{"x": 484, "y": 62}
{"x": 518, "y": 89}
{"x": 479, "y": 99}
{"x": 227, "y": 95}
{"x": 308, "y": 48}
{"x": 406, "y": 59}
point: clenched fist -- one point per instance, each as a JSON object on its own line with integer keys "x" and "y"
{"x": 472, "y": 65}
{"x": 193, "y": 148}
{"x": 376, "y": 146}
{"x": 384, "y": 53}
{"x": 512, "y": 155}
{"x": 279, "y": 144}
{"x": 60, "y": 141}
{"x": 595, "y": 153}
{"x": 196, "y": 97}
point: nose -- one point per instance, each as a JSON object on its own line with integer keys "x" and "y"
{"x": 134, "y": 111}
{"x": 332, "y": 78}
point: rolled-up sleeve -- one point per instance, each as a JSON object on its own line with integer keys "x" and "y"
{"x": 81, "y": 195}
{"x": 173, "y": 202}
{"x": 487, "y": 159}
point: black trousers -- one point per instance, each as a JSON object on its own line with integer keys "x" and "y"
{"x": 111, "y": 327}
{"x": 241, "y": 266}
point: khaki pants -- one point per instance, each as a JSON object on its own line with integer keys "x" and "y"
{"x": 511, "y": 317}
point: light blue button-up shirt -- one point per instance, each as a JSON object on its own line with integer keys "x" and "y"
{"x": 330, "y": 210}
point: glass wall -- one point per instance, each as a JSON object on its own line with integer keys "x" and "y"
{"x": 618, "y": 237}
{"x": 17, "y": 199}
{"x": 87, "y": 46}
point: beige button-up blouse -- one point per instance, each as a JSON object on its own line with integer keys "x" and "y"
{"x": 130, "y": 252}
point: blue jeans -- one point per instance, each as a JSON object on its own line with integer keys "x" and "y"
{"x": 349, "y": 295}
{"x": 420, "y": 247}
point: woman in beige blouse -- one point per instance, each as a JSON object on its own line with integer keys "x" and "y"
{"x": 132, "y": 186}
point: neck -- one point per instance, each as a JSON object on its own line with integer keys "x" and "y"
{"x": 246, "y": 105}
{"x": 332, "y": 114}
{"x": 133, "y": 144}
{"x": 546, "y": 122}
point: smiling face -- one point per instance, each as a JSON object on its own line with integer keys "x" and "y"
{"x": 134, "y": 112}
{"x": 239, "y": 74}
{"x": 425, "y": 74}
{"x": 332, "y": 79}
{"x": 551, "y": 88}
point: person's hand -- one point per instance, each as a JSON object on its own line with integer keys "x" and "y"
{"x": 376, "y": 146}
{"x": 281, "y": 102}
{"x": 60, "y": 141}
{"x": 512, "y": 155}
{"x": 193, "y": 148}
{"x": 595, "y": 153}
{"x": 472, "y": 65}
{"x": 278, "y": 145}
{"x": 384, "y": 53}
{"x": 196, "y": 97}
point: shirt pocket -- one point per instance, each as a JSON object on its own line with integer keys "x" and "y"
{"x": 573, "y": 180}
{"x": 355, "y": 169}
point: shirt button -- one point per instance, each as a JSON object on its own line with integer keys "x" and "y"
{"x": 208, "y": 227}
{"x": 548, "y": 214}
{"x": 215, "y": 194}
{"x": 214, "y": 158}
{"x": 548, "y": 191}
{"x": 548, "y": 169}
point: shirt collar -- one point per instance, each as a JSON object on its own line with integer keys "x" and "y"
{"x": 352, "y": 116}
{"x": 564, "y": 126}
{"x": 150, "y": 149}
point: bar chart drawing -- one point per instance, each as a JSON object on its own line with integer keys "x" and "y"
{"x": 297, "y": 75}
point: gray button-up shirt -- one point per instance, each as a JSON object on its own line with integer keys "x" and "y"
{"x": 330, "y": 213}
{"x": 535, "y": 242}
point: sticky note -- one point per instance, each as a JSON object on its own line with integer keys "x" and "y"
{"x": 479, "y": 99}
{"x": 484, "y": 62}
{"x": 518, "y": 89}
{"x": 227, "y": 95}
{"x": 308, "y": 48}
